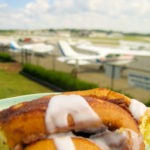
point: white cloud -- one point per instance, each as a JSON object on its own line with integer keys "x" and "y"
{"x": 37, "y": 7}
{"x": 63, "y": 6}
{"x": 3, "y": 5}
{"x": 124, "y": 15}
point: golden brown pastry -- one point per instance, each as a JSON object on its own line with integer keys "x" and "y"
{"x": 78, "y": 143}
{"x": 98, "y": 115}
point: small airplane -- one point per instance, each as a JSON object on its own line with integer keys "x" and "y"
{"x": 118, "y": 56}
{"x": 135, "y": 45}
{"x": 39, "y": 48}
{"x": 4, "y": 41}
{"x": 14, "y": 47}
{"x": 72, "y": 57}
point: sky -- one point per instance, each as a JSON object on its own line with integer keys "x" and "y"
{"x": 118, "y": 15}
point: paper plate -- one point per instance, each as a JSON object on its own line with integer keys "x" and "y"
{"x": 7, "y": 102}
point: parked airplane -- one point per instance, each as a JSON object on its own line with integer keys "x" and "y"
{"x": 104, "y": 55}
{"x": 39, "y": 48}
{"x": 135, "y": 45}
{"x": 4, "y": 41}
{"x": 72, "y": 57}
{"x": 118, "y": 56}
{"x": 14, "y": 47}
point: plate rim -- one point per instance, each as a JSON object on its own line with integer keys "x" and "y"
{"x": 8, "y": 102}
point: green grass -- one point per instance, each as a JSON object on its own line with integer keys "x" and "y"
{"x": 137, "y": 38}
{"x": 14, "y": 84}
{"x": 115, "y": 40}
{"x": 100, "y": 40}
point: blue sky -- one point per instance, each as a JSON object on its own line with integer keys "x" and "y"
{"x": 15, "y": 3}
{"x": 120, "y": 15}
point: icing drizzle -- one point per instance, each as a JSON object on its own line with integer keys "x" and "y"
{"x": 60, "y": 106}
{"x": 137, "y": 109}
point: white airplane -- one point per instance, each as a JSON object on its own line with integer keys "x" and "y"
{"x": 119, "y": 56}
{"x": 14, "y": 47}
{"x": 72, "y": 57}
{"x": 4, "y": 41}
{"x": 39, "y": 48}
{"x": 135, "y": 45}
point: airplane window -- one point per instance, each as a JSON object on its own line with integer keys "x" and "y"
{"x": 109, "y": 56}
{"x": 112, "y": 55}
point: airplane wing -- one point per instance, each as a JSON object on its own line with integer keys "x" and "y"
{"x": 81, "y": 60}
{"x": 84, "y": 57}
{"x": 73, "y": 61}
{"x": 105, "y": 50}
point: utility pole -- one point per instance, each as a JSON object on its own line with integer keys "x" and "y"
{"x": 112, "y": 76}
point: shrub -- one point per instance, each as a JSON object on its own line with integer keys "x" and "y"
{"x": 5, "y": 57}
{"x": 148, "y": 103}
{"x": 60, "y": 79}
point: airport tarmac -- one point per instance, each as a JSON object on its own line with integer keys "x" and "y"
{"x": 91, "y": 73}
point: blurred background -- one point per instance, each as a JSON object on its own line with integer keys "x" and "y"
{"x": 55, "y": 45}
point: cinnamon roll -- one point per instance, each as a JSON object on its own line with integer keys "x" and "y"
{"x": 92, "y": 119}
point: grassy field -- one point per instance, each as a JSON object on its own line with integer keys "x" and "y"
{"x": 14, "y": 84}
{"x": 105, "y": 40}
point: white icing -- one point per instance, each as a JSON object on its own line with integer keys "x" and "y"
{"x": 109, "y": 140}
{"x": 117, "y": 140}
{"x": 137, "y": 109}
{"x": 106, "y": 140}
{"x": 60, "y": 106}
{"x": 63, "y": 141}
{"x": 68, "y": 134}
{"x": 136, "y": 140}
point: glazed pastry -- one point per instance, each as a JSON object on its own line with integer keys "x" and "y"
{"x": 66, "y": 143}
{"x": 99, "y": 118}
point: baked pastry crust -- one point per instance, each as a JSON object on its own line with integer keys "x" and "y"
{"x": 79, "y": 143}
{"x": 24, "y": 123}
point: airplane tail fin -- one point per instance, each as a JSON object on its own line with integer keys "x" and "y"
{"x": 14, "y": 46}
